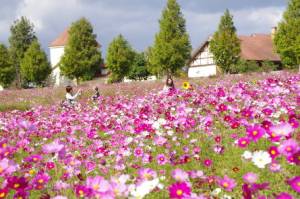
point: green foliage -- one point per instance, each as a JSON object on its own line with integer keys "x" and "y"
{"x": 225, "y": 44}
{"x": 287, "y": 37}
{"x": 22, "y": 35}
{"x": 172, "y": 46}
{"x": 7, "y": 71}
{"x": 82, "y": 58}
{"x": 268, "y": 66}
{"x": 138, "y": 70}
{"x": 35, "y": 67}
{"x": 120, "y": 57}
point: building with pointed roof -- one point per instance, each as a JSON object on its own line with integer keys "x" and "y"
{"x": 57, "y": 49}
{"x": 256, "y": 47}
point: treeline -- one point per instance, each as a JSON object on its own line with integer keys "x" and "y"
{"x": 25, "y": 63}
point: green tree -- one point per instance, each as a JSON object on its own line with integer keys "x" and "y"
{"x": 7, "y": 71}
{"x": 82, "y": 58}
{"x": 120, "y": 57}
{"x": 138, "y": 70}
{"x": 225, "y": 44}
{"x": 172, "y": 46}
{"x": 287, "y": 37}
{"x": 35, "y": 67}
{"x": 22, "y": 34}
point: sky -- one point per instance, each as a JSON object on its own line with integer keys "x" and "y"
{"x": 137, "y": 20}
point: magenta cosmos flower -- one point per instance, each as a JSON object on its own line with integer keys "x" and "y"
{"x": 284, "y": 195}
{"x": 255, "y": 132}
{"x": 207, "y": 162}
{"x": 161, "y": 159}
{"x": 273, "y": 151}
{"x": 227, "y": 183}
{"x": 179, "y": 190}
{"x": 295, "y": 183}
{"x": 288, "y": 147}
{"x": 243, "y": 142}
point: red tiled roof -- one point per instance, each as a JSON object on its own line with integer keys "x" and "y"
{"x": 61, "y": 40}
{"x": 257, "y": 47}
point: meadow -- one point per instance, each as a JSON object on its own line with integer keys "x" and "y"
{"x": 226, "y": 137}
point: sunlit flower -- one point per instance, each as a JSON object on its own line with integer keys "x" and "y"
{"x": 186, "y": 85}
{"x": 261, "y": 159}
{"x": 227, "y": 183}
{"x": 179, "y": 190}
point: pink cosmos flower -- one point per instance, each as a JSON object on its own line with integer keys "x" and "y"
{"x": 146, "y": 174}
{"x": 250, "y": 178}
{"x": 296, "y": 158}
{"x": 53, "y": 147}
{"x": 159, "y": 140}
{"x": 243, "y": 142}
{"x": 40, "y": 180}
{"x": 161, "y": 159}
{"x": 288, "y": 147}
{"x": 227, "y": 183}
{"x": 283, "y": 129}
{"x": 138, "y": 152}
{"x": 255, "y": 132}
{"x": 180, "y": 175}
{"x": 98, "y": 184}
{"x": 7, "y": 166}
{"x": 295, "y": 183}
{"x": 17, "y": 183}
{"x": 274, "y": 167}
{"x": 179, "y": 190}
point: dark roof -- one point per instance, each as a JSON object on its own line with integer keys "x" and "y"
{"x": 258, "y": 47}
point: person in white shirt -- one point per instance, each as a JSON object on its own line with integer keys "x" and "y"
{"x": 70, "y": 97}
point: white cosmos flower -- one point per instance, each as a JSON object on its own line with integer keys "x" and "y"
{"x": 261, "y": 159}
{"x": 216, "y": 192}
{"x": 247, "y": 155}
{"x": 144, "y": 188}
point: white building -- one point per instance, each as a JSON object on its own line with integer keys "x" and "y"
{"x": 256, "y": 47}
{"x": 57, "y": 49}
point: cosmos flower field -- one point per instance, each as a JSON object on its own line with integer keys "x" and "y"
{"x": 231, "y": 139}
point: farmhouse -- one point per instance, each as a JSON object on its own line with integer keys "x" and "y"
{"x": 57, "y": 49}
{"x": 256, "y": 47}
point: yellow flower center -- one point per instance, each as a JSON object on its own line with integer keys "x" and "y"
{"x": 273, "y": 152}
{"x": 288, "y": 148}
{"x": 1, "y": 169}
{"x": 244, "y": 142}
{"x": 96, "y": 187}
{"x": 40, "y": 181}
{"x": 16, "y": 186}
{"x": 35, "y": 159}
{"x": 81, "y": 193}
{"x": 273, "y": 135}
{"x": 254, "y": 132}
{"x": 4, "y": 145}
{"x": 2, "y": 195}
{"x": 298, "y": 184}
{"x": 31, "y": 171}
{"x": 179, "y": 192}
{"x": 225, "y": 184}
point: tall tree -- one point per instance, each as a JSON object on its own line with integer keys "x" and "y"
{"x": 35, "y": 67}
{"x": 7, "y": 71}
{"x": 172, "y": 46}
{"x": 22, "y": 34}
{"x": 82, "y": 58}
{"x": 287, "y": 37}
{"x": 120, "y": 57}
{"x": 138, "y": 69}
{"x": 225, "y": 44}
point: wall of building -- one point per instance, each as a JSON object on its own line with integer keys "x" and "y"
{"x": 202, "y": 71}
